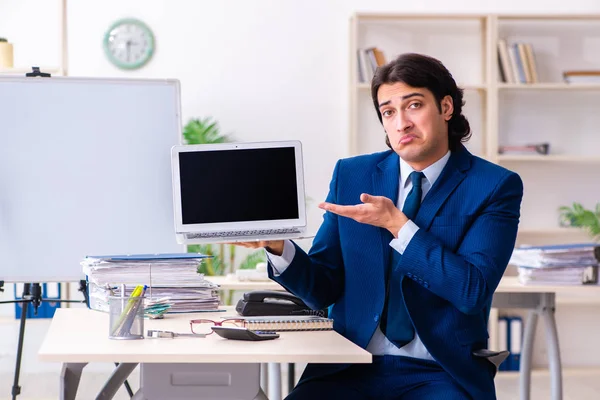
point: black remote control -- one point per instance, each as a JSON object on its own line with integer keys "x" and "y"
{"x": 243, "y": 333}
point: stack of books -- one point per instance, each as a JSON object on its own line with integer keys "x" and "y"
{"x": 517, "y": 62}
{"x": 582, "y": 77}
{"x": 172, "y": 279}
{"x": 368, "y": 60}
{"x": 573, "y": 264}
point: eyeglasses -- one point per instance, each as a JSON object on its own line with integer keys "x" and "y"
{"x": 203, "y": 326}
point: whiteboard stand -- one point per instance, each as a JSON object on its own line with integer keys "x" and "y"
{"x": 32, "y": 293}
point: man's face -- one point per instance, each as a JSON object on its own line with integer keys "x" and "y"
{"x": 415, "y": 127}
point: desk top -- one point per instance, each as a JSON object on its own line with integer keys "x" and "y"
{"x": 232, "y": 283}
{"x": 81, "y": 335}
{"x": 508, "y": 284}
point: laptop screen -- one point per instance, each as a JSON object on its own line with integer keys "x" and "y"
{"x": 235, "y": 185}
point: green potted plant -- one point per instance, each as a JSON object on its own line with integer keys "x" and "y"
{"x": 580, "y": 217}
{"x": 6, "y": 54}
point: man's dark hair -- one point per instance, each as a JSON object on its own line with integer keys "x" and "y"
{"x": 421, "y": 71}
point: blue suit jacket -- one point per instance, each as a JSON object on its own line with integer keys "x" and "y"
{"x": 468, "y": 226}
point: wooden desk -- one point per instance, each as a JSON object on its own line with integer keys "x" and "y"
{"x": 79, "y": 336}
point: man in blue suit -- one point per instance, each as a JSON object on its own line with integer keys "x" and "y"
{"x": 413, "y": 244}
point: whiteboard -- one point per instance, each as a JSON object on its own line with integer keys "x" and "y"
{"x": 84, "y": 170}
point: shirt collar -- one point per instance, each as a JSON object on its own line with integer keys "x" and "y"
{"x": 431, "y": 173}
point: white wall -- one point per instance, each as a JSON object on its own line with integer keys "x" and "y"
{"x": 265, "y": 69}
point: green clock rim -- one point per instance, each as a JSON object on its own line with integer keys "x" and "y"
{"x": 141, "y": 25}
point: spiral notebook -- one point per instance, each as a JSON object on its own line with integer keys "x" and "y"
{"x": 289, "y": 323}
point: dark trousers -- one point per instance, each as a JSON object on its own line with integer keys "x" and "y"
{"x": 387, "y": 378}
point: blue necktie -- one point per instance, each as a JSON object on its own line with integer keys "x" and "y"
{"x": 395, "y": 321}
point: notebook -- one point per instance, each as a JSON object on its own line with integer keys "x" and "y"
{"x": 236, "y": 192}
{"x": 288, "y": 323}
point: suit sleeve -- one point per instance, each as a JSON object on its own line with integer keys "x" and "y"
{"x": 318, "y": 277}
{"x": 468, "y": 277}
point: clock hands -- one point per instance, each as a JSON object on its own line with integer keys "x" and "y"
{"x": 128, "y": 45}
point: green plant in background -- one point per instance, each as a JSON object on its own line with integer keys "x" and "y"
{"x": 3, "y": 39}
{"x": 252, "y": 259}
{"x": 203, "y": 131}
{"x": 207, "y": 131}
{"x": 580, "y": 217}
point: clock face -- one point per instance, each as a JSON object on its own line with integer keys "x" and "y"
{"x": 129, "y": 44}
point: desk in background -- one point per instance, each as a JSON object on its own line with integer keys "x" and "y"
{"x": 230, "y": 282}
{"x": 206, "y": 368}
{"x": 540, "y": 300}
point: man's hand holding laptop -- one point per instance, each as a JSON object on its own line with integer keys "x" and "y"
{"x": 274, "y": 247}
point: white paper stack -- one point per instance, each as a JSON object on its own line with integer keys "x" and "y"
{"x": 573, "y": 264}
{"x": 171, "y": 276}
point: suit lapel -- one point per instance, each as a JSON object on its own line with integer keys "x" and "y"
{"x": 386, "y": 180}
{"x": 452, "y": 174}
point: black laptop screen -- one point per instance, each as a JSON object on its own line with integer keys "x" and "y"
{"x": 238, "y": 185}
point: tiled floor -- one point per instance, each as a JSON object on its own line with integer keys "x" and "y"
{"x": 578, "y": 385}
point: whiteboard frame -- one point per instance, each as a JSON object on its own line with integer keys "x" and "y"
{"x": 15, "y": 278}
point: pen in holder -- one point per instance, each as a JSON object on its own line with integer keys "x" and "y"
{"x": 126, "y": 317}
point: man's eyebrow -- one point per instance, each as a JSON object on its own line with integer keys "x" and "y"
{"x": 406, "y": 96}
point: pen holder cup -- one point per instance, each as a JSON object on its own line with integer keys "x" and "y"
{"x": 126, "y": 317}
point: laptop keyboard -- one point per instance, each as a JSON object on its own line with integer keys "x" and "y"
{"x": 254, "y": 232}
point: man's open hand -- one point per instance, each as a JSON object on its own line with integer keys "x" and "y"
{"x": 374, "y": 210}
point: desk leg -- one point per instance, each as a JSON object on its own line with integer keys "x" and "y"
{"x": 291, "y": 377}
{"x": 69, "y": 380}
{"x": 264, "y": 377}
{"x": 526, "y": 354}
{"x": 261, "y": 395}
{"x": 117, "y": 378}
{"x": 274, "y": 381}
{"x": 553, "y": 353}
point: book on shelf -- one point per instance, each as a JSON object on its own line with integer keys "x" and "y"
{"x": 528, "y": 149}
{"x": 517, "y": 62}
{"x": 289, "y": 323}
{"x": 368, "y": 60}
{"x": 590, "y": 76}
{"x": 506, "y": 70}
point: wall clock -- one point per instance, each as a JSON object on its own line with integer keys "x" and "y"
{"x": 129, "y": 43}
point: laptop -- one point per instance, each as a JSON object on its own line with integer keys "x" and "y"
{"x": 236, "y": 192}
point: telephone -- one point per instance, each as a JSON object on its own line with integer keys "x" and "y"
{"x": 259, "y": 303}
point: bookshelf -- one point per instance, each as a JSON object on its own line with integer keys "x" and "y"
{"x": 550, "y": 110}
{"x": 562, "y": 114}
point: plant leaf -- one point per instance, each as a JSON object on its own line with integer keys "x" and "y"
{"x": 252, "y": 259}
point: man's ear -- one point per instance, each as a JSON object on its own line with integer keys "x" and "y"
{"x": 447, "y": 107}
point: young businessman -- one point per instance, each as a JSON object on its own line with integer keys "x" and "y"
{"x": 413, "y": 244}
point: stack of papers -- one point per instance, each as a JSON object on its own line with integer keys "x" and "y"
{"x": 171, "y": 279}
{"x": 573, "y": 264}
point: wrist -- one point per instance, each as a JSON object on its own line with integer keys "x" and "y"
{"x": 397, "y": 224}
{"x": 275, "y": 248}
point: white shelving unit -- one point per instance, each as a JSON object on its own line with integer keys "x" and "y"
{"x": 564, "y": 115}
{"x": 54, "y": 70}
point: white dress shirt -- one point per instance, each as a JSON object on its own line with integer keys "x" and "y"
{"x": 379, "y": 344}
